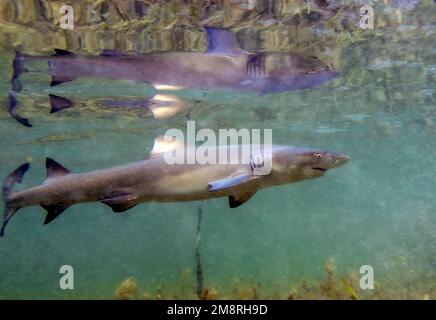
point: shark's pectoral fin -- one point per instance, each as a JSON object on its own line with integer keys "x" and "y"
{"x": 58, "y": 103}
{"x": 53, "y": 212}
{"x": 230, "y": 182}
{"x": 121, "y": 203}
{"x": 239, "y": 199}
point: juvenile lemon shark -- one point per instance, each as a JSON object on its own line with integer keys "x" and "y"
{"x": 224, "y": 66}
{"x": 154, "y": 180}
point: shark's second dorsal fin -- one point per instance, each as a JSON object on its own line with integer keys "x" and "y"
{"x": 222, "y": 41}
{"x": 54, "y": 169}
{"x": 59, "y": 103}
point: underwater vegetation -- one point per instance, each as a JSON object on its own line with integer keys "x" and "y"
{"x": 330, "y": 287}
{"x": 127, "y": 290}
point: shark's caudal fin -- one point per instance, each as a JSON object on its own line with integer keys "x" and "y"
{"x": 222, "y": 41}
{"x": 8, "y": 184}
{"x": 12, "y": 109}
{"x": 17, "y": 70}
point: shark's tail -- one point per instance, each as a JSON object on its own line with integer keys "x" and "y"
{"x": 18, "y": 69}
{"x": 8, "y": 184}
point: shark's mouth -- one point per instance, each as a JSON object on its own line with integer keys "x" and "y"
{"x": 320, "y": 169}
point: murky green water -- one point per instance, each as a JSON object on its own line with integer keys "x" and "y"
{"x": 379, "y": 209}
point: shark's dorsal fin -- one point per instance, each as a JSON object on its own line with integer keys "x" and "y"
{"x": 164, "y": 144}
{"x": 230, "y": 182}
{"x": 163, "y": 106}
{"x": 239, "y": 199}
{"x": 222, "y": 41}
{"x": 54, "y": 169}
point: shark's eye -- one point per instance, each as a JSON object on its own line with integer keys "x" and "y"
{"x": 318, "y": 156}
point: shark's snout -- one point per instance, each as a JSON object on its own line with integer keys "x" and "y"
{"x": 340, "y": 159}
{"x": 328, "y": 160}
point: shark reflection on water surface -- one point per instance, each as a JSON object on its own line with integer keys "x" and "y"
{"x": 224, "y": 66}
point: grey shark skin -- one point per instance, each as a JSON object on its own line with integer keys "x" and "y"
{"x": 224, "y": 66}
{"x": 154, "y": 180}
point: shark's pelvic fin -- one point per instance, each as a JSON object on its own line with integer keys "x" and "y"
{"x": 222, "y": 41}
{"x": 239, "y": 199}
{"x": 231, "y": 182}
{"x": 58, "y": 103}
{"x": 121, "y": 203}
{"x": 54, "y": 169}
{"x": 53, "y": 211}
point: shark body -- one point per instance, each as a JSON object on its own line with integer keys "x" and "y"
{"x": 154, "y": 180}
